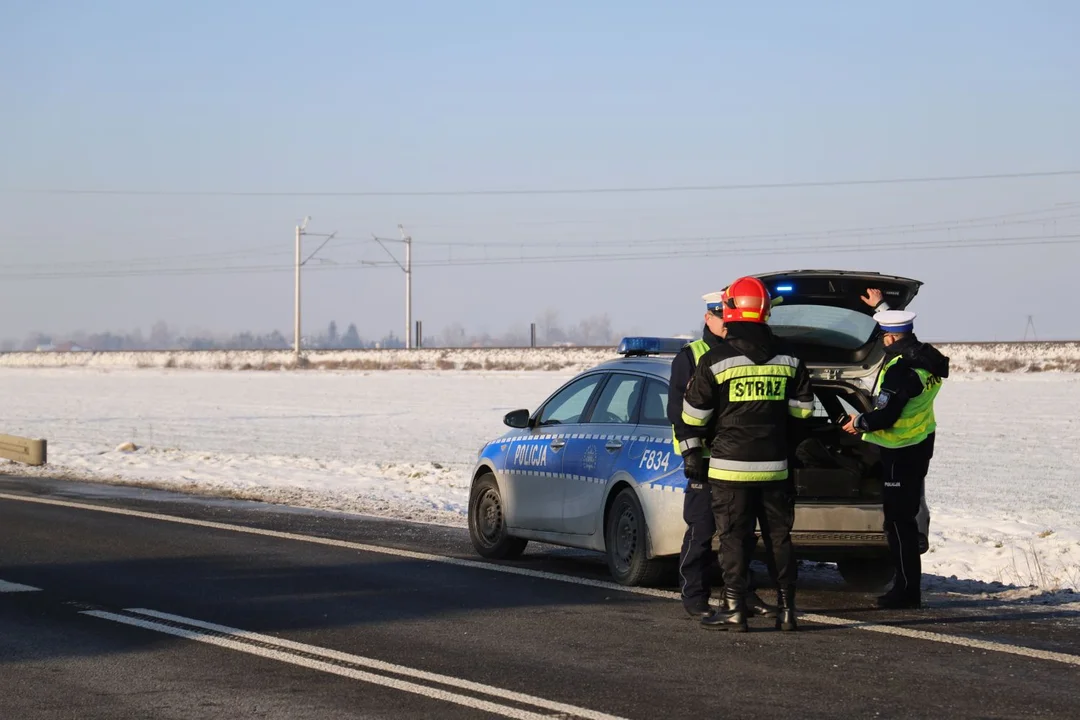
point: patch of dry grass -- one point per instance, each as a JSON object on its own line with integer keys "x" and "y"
{"x": 1005, "y": 365}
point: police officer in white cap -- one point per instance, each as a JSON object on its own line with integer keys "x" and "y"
{"x": 697, "y": 559}
{"x": 903, "y": 424}
{"x": 875, "y": 298}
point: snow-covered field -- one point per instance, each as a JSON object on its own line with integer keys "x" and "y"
{"x": 1004, "y": 489}
{"x": 994, "y": 357}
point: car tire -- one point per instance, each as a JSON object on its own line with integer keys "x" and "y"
{"x": 626, "y": 542}
{"x": 487, "y": 522}
{"x": 867, "y": 574}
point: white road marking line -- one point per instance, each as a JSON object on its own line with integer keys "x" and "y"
{"x": 947, "y": 639}
{"x": 10, "y": 587}
{"x": 285, "y": 657}
{"x": 1020, "y": 650}
{"x": 382, "y": 666}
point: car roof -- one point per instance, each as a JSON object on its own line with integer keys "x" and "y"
{"x": 658, "y": 366}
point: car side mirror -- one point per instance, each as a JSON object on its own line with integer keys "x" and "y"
{"x": 517, "y": 419}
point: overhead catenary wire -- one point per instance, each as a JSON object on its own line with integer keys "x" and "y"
{"x": 907, "y": 245}
{"x": 718, "y": 187}
{"x": 971, "y": 223}
{"x": 633, "y": 218}
{"x": 905, "y": 229}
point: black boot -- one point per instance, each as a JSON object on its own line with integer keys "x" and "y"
{"x": 785, "y": 603}
{"x": 900, "y": 600}
{"x": 731, "y": 616}
{"x": 698, "y": 609}
{"x": 756, "y": 606}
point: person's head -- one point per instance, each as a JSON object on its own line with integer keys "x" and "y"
{"x": 714, "y": 313}
{"x": 896, "y": 325}
{"x": 715, "y": 322}
{"x": 891, "y": 338}
{"x": 746, "y": 300}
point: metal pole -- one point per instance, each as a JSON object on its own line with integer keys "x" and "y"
{"x": 408, "y": 287}
{"x": 419, "y": 334}
{"x": 532, "y": 335}
{"x": 296, "y": 317}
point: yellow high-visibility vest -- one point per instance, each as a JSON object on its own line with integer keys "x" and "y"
{"x": 917, "y": 420}
{"x": 698, "y": 348}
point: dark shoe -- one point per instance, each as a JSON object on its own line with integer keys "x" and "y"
{"x": 698, "y": 609}
{"x": 785, "y": 604}
{"x": 899, "y": 601}
{"x": 732, "y": 616}
{"x": 756, "y": 606}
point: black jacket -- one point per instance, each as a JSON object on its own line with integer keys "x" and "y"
{"x": 901, "y": 383}
{"x": 682, "y": 369}
{"x": 741, "y": 399}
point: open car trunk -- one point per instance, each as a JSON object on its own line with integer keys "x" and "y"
{"x": 822, "y": 315}
{"x": 830, "y": 465}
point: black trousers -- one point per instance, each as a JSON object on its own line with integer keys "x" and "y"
{"x": 737, "y": 508}
{"x": 697, "y": 557}
{"x": 905, "y": 472}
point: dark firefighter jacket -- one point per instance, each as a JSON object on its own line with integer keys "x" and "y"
{"x": 742, "y": 396}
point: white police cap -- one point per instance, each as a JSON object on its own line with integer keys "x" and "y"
{"x": 713, "y": 300}
{"x": 896, "y": 321}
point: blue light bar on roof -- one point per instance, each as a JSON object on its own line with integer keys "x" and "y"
{"x": 651, "y": 346}
{"x": 784, "y": 288}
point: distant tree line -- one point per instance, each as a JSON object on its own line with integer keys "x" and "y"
{"x": 594, "y": 330}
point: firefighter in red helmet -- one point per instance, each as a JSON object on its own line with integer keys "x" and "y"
{"x": 740, "y": 401}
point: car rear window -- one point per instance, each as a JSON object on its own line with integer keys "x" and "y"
{"x": 822, "y": 325}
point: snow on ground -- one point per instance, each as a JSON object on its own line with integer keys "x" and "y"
{"x": 994, "y": 357}
{"x": 1004, "y": 489}
{"x": 543, "y": 358}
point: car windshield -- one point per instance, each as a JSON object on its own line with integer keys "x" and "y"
{"x": 822, "y": 325}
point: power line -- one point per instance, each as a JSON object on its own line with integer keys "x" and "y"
{"x": 147, "y": 265}
{"x": 547, "y": 191}
{"x": 264, "y": 251}
{"x": 1025, "y": 241}
{"x": 625, "y": 218}
{"x": 970, "y": 223}
{"x": 790, "y": 250}
{"x": 906, "y": 229}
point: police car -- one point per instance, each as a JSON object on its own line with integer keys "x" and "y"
{"x": 594, "y": 465}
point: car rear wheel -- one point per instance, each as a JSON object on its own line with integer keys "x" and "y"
{"x": 487, "y": 522}
{"x": 626, "y": 542}
{"x": 867, "y": 574}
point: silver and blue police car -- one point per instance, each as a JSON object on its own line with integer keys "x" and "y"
{"x": 594, "y": 465}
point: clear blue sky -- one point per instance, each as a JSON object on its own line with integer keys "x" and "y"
{"x": 408, "y": 96}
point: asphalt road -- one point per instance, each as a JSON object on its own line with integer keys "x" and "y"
{"x": 128, "y": 603}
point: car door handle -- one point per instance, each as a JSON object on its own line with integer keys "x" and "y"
{"x": 614, "y": 444}
{"x": 558, "y": 444}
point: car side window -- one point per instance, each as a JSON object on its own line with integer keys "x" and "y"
{"x": 619, "y": 400}
{"x": 568, "y": 405}
{"x": 654, "y": 407}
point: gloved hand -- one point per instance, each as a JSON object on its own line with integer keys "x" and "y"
{"x": 694, "y": 467}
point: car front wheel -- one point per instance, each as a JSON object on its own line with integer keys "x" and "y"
{"x": 626, "y": 543}
{"x": 487, "y": 522}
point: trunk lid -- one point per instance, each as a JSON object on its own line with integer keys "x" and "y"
{"x": 822, "y": 315}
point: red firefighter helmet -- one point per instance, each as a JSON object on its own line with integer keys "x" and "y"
{"x": 746, "y": 300}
